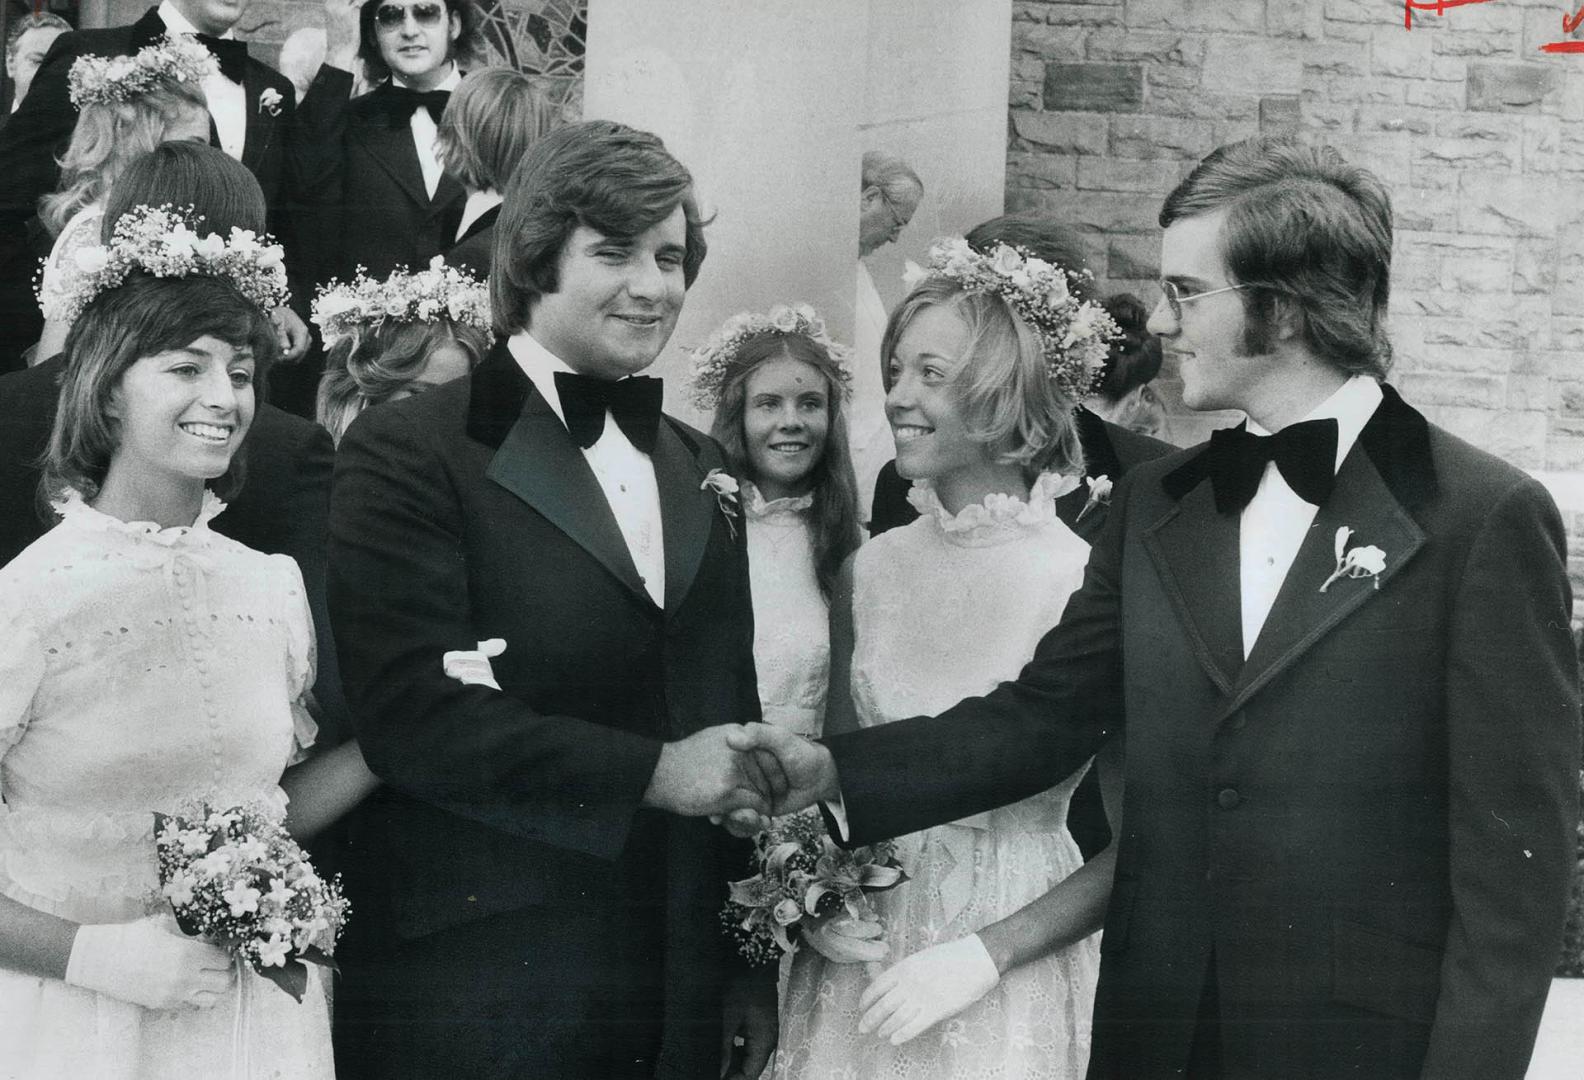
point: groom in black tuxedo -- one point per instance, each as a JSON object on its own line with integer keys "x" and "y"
{"x": 251, "y": 107}
{"x": 526, "y": 907}
{"x": 1340, "y": 654}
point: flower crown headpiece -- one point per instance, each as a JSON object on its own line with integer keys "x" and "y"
{"x": 161, "y": 241}
{"x": 108, "y": 80}
{"x": 1074, "y": 334}
{"x": 713, "y": 359}
{"x": 437, "y": 292}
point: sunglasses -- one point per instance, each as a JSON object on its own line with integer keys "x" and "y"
{"x": 390, "y": 16}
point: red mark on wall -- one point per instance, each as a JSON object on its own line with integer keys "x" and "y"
{"x": 1432, "y": 7}
{"x": 1570, "y": 23}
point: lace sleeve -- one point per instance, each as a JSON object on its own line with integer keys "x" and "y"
{"x": 300, "y": 655}
{"x": 80, "y": 232}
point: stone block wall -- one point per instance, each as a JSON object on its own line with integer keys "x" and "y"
{"x": 1478, "y": 133}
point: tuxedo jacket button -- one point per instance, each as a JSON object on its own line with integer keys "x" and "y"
{"x": 1228, "y": 798}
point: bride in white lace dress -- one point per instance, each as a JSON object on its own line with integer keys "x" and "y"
{"x": 145, "y": 662}
{"x": 778, "y": 386}
{"x": 992, "y": 963}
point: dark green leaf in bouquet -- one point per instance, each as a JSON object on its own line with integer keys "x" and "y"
{"x": 292, "y": 978}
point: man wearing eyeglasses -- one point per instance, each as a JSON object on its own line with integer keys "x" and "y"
{"x": 888, "y": 196}
{"x": 383, "y": 198}
{"x": 1336, "y": 641}
{"x": 251, "y": 106}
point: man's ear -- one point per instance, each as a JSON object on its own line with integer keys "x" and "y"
{"x": 1287, "y": 321}
{"x": 112, "y": 409}
{"x": 456, "y": 28}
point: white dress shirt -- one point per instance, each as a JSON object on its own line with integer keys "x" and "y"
{"x": 424, "y": 131}
{"x": 624, "y": 472}
{"x": 227, "y": 100}
{"x": 1276, "y": 520}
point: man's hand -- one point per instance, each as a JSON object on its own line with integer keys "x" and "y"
{"x": 748, "y": 1014}
{"x": 702, "y": 775}
{"x": 341, "y": 33}
{"x": 291, "y": 332}
{"x": 797, "y": 771}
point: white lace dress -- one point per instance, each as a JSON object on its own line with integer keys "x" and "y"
{"x": 791, "y": 617}
{"x": 944, "y": 608}
{"x": 140, "y": 668}
{"x": 80, "y": 232}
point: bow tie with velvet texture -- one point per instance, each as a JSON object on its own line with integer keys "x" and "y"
{"x": 634, "y": 402}
{"x": 231, "y": 53}
{"x": 404, "y": 101}
{"x": 1305, "y": 454}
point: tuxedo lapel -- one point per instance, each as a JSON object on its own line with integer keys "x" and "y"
{"x": 537, "y": 461}
{"x": 686, "y": 512}
{"x": 1195, "y": 551}
{"x": 1302, "y": 614}
{"x": 540, "y": 464}
{"x": 391, "y": 147}
{"x": 260, "y": 124}
{"x": 1100, "y": 459}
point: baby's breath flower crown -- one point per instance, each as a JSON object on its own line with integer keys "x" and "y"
{"x": 161, "y": 240}
{"x": 437, "y": 292}
{"x": 1074, "y": 334}
{"x": 108, "y": 80}
{"x": 713, "y": 360}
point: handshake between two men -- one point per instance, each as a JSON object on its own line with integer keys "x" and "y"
{"x": 739, "y": 775}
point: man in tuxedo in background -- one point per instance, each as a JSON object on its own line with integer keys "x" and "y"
{"x": 251, "y": 106}
{"x": 527, "y": 907}
{"x": 1340, "y": 655}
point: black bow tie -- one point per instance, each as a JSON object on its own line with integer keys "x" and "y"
{"x": 404, "y": 101}
{"x": 1304, "y": 453}
{"x": 231, "y": 53}
{"x": 634, "y": 402}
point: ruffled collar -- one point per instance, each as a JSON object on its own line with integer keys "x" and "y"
{"x": 71, "y": 507}
{"x": 757, "y": 508}
{"x": 999, "y": 517}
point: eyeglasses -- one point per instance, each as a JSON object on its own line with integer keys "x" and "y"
{"x": 898, "y": 222}
{"x": 390, "y": 16}
{"x": 1176, "y": 298}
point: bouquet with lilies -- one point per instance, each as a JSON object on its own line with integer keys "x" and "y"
{"x": 809, "y": 889}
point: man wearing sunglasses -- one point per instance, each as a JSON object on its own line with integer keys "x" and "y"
{"x": 380, "y": 197}
{"x": 251, "y": 106}
{"x": 1336, "y": 641}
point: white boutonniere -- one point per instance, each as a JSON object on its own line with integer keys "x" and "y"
{"x": 724, "y": 485}
{"x": 1099, "y": 494}
{"x": 270, "y": 101}
{"x": 1367, "y": 561}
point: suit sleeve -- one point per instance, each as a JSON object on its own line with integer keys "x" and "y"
{"x": 399, "y": 598}
{"x": 306, "y": 514}
{"x": 1512, "y": 710}
{"x": 1018, "y": 740}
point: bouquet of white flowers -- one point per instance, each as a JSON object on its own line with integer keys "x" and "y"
{"x": 808, "y": 888}
{"x": 235, "y": 878}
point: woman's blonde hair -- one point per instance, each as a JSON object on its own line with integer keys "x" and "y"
{"x": 107, "y": 136}
{"x": 1009, "y": 401}
{"x": 368, "y": 367}
{"x": 492, "y": 119}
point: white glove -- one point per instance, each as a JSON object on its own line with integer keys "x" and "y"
{"x": 147, "y": 963}
{"x": 472, "y": 667}
{"x": 846, "y": 940}
{"x": 919, "y": 991}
